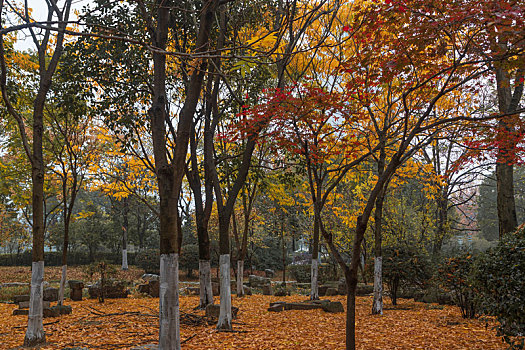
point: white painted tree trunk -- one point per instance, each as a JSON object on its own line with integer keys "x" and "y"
{"x": 225, "y": 315}
{"x": 206, "y": 291}
{"x": 314, "y": 293}
{"x": 124, "y": 259}
{"x": 377, "y": 305}
{"x": 240, "y": 276}
{"x": 35, "y": 327}
{"x": 62, "y": 285}
{"x": 169, "y": 332}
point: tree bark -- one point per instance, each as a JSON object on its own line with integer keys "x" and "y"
{"x": 169, "y": 331}
{"x": 225, "y": 313}
{"x": 314, "y": 273}
{"x": 35, "y": 327}
{"x": 377, "y": 304}
{"x": 206, "y": 291}
{"x": 240, "y": 278}
{"x": 125, "y": 225}
{"x": 508, "y": 103}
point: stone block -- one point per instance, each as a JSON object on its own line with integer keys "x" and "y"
{"x": 247, "y": 290}
{"x": 63, "y": 309}
{"x": 213, "y": 311}
{"x": 267, "y": 289}
{"x": 276, "y": 308}
{"x": 331, "y": 292}
{"x": 302, "y": 306}
{"x": 150, "y": 277}
{"x": 25, "y": 304}
{"x": 257, "y": 281}
{"x": 333, "y": 307}
{"x": 51, "y": 294}
{"x": 24, "y": 312}
{"x": 113, "y": 289}
{"x": 20, "y": 298}
{"x": 51, "y": 312}
{"x": 73, "y": 284}
{"x": 154, "y": 288}
{"x": 269, "y": 273}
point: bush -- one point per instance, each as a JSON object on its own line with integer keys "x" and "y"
{"x": 455, "y": 277}
{"x": 406, "y": 269}
{"x": 189, "y": 258}
{"x": 55, "y": 258}
{"x": 302, "y": 273}
{"x": 149, "y": 260}
{"x": 498, "y": 277}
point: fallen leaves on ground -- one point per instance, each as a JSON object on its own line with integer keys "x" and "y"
{"x": 124, "y": 323}
{"x": 53, "y": 273}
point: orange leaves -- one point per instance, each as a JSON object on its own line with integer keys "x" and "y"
{"x": 124, "y": 323}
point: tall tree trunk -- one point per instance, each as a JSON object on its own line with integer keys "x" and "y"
{"x": 125, "y": 226}
{"x": 314, "y": 272}
{"x": 170, "y": 175}
{"x": 240, "y": 278}
{"x": 169, "y": 334}
{"x": 283, "y": 246}
{"x": 508, "y": 103}
{"x": 377, "y": 304}
{"x": 225, "y": 315}
{"x": 63, "y": 277}
{"x": 35, "y": 328}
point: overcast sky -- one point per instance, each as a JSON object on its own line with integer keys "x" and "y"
{"x": 40, "y": 14}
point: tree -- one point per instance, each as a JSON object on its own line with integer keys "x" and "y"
{"x": 49, "y": 50}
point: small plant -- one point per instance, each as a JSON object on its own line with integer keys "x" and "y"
{"x": 455, "y": 277}
{"x": 498, "y": 277}
{"x": 104, "y": 271}
{"x": 403, "y": 268}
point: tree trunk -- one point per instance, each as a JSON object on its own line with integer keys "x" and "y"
{"x": 508, "y": 102}
{"x": 377, "y": 304}
{"x": 125, "y": 234}
{"x": 506, "y": 205}
{"x": 314, "y": 289}
{"x": 240, "y": 277}
{"x": 35, "y": 327}
{"x": 283, "y": 253}
{"x": 351, "y": 284}
{"x": 169, "y": 333}
{"x": 225, "y": 316}
{"x": 206, "y": 291}
{"x": 62, "y": 287}
{"x": 65, "y": 248}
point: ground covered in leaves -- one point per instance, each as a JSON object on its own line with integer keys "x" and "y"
{"x": 124, "y": 323}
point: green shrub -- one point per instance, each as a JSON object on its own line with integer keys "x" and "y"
{"x": 189, "y": 258}
{"x": 455, "y": 277}
{"x": 149, "y": 260}
{"x": 302, "y": 273}
{"x": 55, "y": 258}
{"x": 404, "y": 268}
{"x": 499, "y": 280}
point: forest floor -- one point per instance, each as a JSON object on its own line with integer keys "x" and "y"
{"x": 125, "y": 323}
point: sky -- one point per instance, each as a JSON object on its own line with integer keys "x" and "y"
{"x": 40, "y": 14}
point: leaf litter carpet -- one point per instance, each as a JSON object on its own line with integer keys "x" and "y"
{"x": 125, "y": 323}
